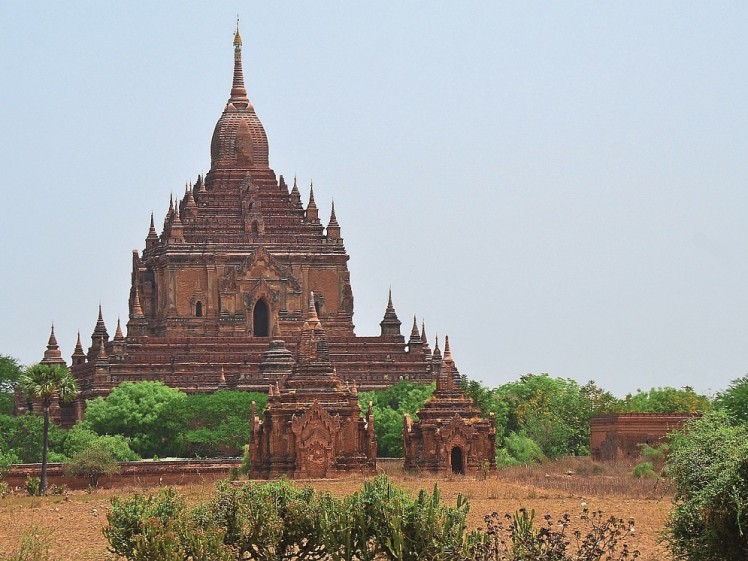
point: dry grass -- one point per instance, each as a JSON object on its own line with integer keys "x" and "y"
{"x": 75, "y": 521}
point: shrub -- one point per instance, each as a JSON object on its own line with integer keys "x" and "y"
{"x": 644, "y": 469}
{"x": 708, "y": 468}
{"x": 33, "y": 486}
{"x": 515, "y": 537}
{"x": 280, "y": 521}
{"x": 92, "y": 463}
{"x": 518, "y": 449}
{"x": 82, "y": 437}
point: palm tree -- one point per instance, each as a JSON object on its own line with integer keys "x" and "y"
{"x": 44, "y": 382}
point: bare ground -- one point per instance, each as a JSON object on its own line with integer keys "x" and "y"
{"x": 74, "y": 522}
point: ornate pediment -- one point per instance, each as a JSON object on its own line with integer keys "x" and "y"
{"x": 314, "y": 419}
{"x": 258, "y": 266}
{"x": 457, "y": 429}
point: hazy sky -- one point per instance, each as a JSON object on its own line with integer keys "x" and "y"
{"x": 559, "y": 187}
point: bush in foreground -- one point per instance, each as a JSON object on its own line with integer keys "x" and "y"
{"x": 280, "y": 521}
{"x": 708, "y": 467}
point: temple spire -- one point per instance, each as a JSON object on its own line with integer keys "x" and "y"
{"x": 447, "y": 351}
{"x": 296, "y": 196}
{"x": 390, "y": 324}
{"x": 137, "y": 310}
{"x": 79, "y": 357}
{"x": 312, "y": 212}
{"x": 118, "y": 333}
{"x": 238, "y": 91}
{"x": 52, "y": 355}
{"x": 99, "y": 332}
{"x": 333, "y": 228}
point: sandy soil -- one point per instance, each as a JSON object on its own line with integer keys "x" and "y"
{"x": 74, "y": 522}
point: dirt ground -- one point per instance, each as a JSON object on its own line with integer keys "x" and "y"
{"x": 74, "y": 522}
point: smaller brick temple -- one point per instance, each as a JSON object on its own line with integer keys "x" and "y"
{"x": 450, "y": 435}
{"x": 312, "y": 427}
{"x": 620, "y": 436}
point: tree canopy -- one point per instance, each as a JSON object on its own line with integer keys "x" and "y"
{"x": 390, "y": 406}
{"x": 734, "y": 400}
{"x": 133, "y": 409}
{"x": 10, "y": 371}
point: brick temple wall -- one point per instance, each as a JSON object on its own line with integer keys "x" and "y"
{"x": 618, "y": 437}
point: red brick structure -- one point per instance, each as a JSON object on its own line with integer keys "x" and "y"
{"x": 312, "y": 426}
{"x": 619, "y": 437}
{"x": 450, "y": 434}
{"x": 231, "y": 270}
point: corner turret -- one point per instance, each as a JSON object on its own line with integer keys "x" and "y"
{"x": 390, "y": 324}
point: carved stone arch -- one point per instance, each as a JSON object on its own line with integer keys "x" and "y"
{"x": 261, "y": 303}
{"x": 198, "y": 304}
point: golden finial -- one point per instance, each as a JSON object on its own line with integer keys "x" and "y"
{"x": 237, "y": 37}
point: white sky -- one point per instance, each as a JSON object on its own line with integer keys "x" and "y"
{"x": 559, "y": 187}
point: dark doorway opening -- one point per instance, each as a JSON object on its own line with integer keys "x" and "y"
{"x": 457, "y": 466}
{"x": 261, "y": 319}
{"x": 199, "y": 310}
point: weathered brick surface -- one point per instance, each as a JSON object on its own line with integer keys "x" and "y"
{"x": 619, "y": 437}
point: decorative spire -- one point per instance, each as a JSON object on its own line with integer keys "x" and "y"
{"x": 52, "y": 339}
{"x": 424, "y": 339}
{"x": 137, "y": 310}
{"x": 79, "y": 357}
{"x": 237, "y": 37}
{"x": 152, "y": 236}
{"x": 296, "y": 196}
{"x": 333, "y": 228}
{"x": 52, "y": 355}
{"x": 99, "y": 332}
{"x": 312, "y": 212}
{"x": 191, "y": 205}
{"x": 102, "y": 356}
{"x": 437, "y": 352}
{"x": 447, "y": 351}
{"x": 238, "y": 91}
{"x": 390, "y": 324}
{"x": 200, "y": 185}
{"x": 118, "y": 337}
{"x": 312, "y": 319}
{"x": 415, "y": 336}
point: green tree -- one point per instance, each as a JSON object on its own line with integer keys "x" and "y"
{"x": 45, "y": 383}
{"x": 734, "y": 400}
{"x": 389, "y": 407}
{"x": 209, "y": 425}
{"x": 92, "y": 463}
{"x": 553, "y": 412}
{"x": 81, "y": 437}
{"x": 708, "y": 468}
{"x": 665, "y": 400}
{"x": 10, "y": 371}
{"x": 21, "y": 435}
{"x": 133, "y": 410}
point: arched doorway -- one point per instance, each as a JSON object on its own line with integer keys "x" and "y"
{"x": 261, "y": 319}
{"x": 457, "y": 461}
{"x": 199, "y": 310}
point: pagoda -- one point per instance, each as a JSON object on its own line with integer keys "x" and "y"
{"x": 450, "y": 435}
{"x": 312, "y": 425}
{"x": 232, "y": 270}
